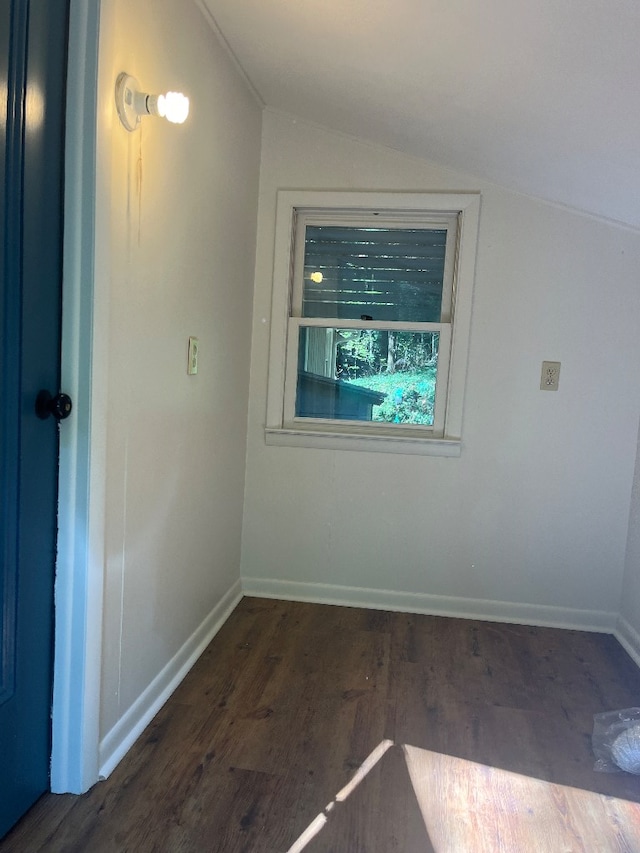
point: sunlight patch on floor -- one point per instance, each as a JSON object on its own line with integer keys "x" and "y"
{"x": 316, "y": 825}
{"x": 473, "y": 808}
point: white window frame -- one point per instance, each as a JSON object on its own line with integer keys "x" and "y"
{"x": 282, "y": 428}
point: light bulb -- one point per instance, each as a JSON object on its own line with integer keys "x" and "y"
{"x": 316, "y": 277}
{"x": 132, "y": 103}
{"x": 174, "y": 106}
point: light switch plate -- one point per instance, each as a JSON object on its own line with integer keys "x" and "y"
{"x": 550, "y": 376}
{"x": 192, "y": 365}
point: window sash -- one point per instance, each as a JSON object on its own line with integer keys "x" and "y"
{"x": 400, "y": 220}
{"x": 291, "y": 421}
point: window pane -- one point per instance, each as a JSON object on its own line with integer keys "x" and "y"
{"x": 367, "y": 375}
{"x": 392, "y": 274}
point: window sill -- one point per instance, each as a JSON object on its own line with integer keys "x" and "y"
{"x": 416, "y": 446}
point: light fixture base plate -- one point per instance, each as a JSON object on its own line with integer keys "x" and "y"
{"x": 127, "y": 87}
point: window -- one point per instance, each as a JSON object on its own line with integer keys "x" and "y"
{"x": 370, "y": 320}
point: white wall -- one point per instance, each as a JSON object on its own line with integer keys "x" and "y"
{"x": 181, "y": 245}
{"x": 535, "y": 511}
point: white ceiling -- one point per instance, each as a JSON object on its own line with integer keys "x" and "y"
{"x": 543, "y": 96}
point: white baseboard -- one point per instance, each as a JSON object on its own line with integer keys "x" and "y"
{"x": 130, "y": 726}
{"x": 434, "y": 605}
{"x": 628, "y": 638}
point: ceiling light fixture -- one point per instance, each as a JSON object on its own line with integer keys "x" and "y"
{"x": 132, "y": 104}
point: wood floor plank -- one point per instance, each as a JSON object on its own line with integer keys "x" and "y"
{"x": 290, "y": 699}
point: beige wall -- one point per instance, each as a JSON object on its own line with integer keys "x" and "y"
{"x": 181, "y": 244}
{"x": 535, "y": 511}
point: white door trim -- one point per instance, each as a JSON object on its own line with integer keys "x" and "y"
{"x": 80, "y": 562}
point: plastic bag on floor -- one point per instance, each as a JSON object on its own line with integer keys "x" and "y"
{"x": 616, "y": 741}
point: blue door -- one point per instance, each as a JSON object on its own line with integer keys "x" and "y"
{"x": 33, "y": 36}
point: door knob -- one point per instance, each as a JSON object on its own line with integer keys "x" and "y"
{"x": 59, "y": 406}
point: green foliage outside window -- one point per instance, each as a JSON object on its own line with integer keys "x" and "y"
{"x": 402, "y": 365}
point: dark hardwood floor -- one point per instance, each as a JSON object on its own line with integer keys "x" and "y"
{"x": 482, "y": 732}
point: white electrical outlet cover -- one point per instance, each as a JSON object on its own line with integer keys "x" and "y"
{"x": 550, "y": 376}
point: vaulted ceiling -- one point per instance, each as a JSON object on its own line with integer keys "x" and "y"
{"x": 543, "y": 96}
